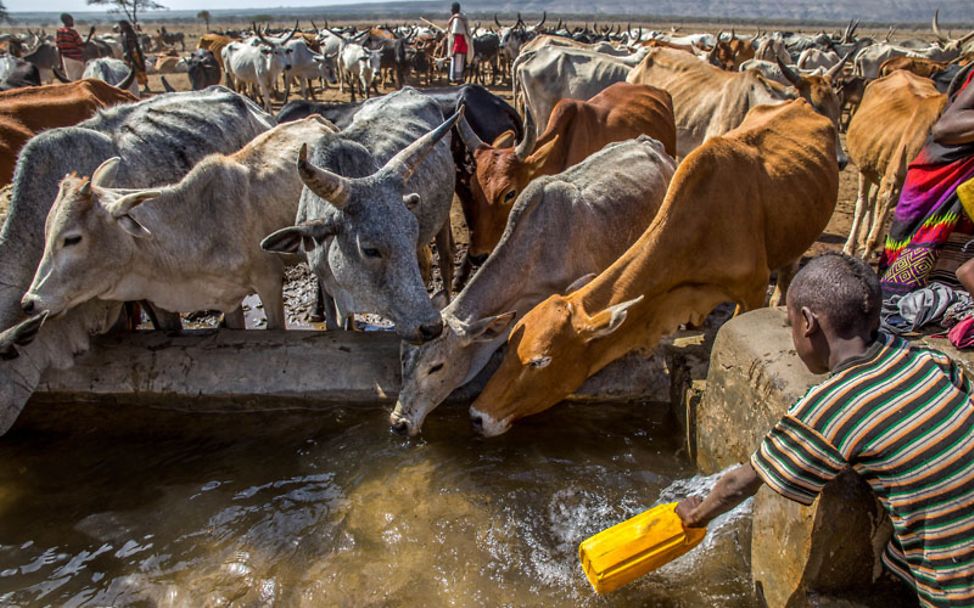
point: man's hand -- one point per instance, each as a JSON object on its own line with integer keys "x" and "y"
{"x": 686, "y": 510}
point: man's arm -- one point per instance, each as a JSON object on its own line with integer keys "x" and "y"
{"x": 733, "y": 488}
{"x": 956, "y": 125}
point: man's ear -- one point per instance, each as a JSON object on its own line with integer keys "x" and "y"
{"x": 809, "y": 322}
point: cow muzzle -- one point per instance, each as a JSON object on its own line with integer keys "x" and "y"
{"x": 401, "y": 425}
{"x": 29, "y": 304}
{"x": 426, "y": 332}
{"x": 485, "y": 425}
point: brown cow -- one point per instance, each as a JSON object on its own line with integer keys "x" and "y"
{"x": 577, "y": 129}
{"x": 25, "y": 111}
{"x": 738, "y": 207}
{"x": 921, "y": 66}
{"x": 885, "y": 134}
{"x": 214, "y": 43}
{"x": 731, "y": 54}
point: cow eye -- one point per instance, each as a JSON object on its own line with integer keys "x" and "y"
{"x": 371, "y": 252}
{"x": 71, "y": 241}
{"x": 510, "y": 196}
{"x": 290, "y": 50}
{"x": 435, "y": 369}
{"x": 539, "y": 362}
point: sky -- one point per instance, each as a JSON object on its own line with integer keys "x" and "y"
{"x": 80, "y": 5}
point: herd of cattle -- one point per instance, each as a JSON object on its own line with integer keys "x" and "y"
{"x": 639, "y": 180}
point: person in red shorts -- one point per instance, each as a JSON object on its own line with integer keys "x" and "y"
{"x": 460, "y": 43}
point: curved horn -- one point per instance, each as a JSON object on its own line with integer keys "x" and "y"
{"x": 497, "y": 21}
{"x": 325, "y": 184}
{"x": 91, "y": 33}
{"x": 167, "y": 86}
{"x": 526, "y": 146}
{"x": 793, "y": 77}
{"x": 965, "y": 38}
{"x": 291, "y": 35}
{"x": 314, "y": 26}
{"x": 258, "y": 32}
{"x": 544, "y": 17}
{"x": 57, "y": 74}
{"x": 470, "y": 139}
{"x": 836, "y": 69}
{"x": 127, "y": 81}
{"x": 935, "y": 26}
{"x": 408, "y": 160}
{"x": 519, "y": 21}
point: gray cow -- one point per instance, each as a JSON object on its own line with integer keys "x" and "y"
{"x": 113, "y": 71}
{"x": 608, "y": 199}
{"x": 191, "y": 246}
{"x": 159, "y": 141}
{"x": 375, "y": 193}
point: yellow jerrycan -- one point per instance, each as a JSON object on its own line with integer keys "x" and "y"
{"x": 619, "y": 555}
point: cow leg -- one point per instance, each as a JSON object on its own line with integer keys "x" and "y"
{"x": 444, "y": 247}
{"x": 862, "y": 202}
{"x": 785, "y": 274}
{"x": 235, "y": 319}
{"x": 888, "y": 192}
{"x": 270, "y": 292}
{"x": 163, "y": 320}
{"x": 463, "y": 275}
{"x": 265, "y": 92}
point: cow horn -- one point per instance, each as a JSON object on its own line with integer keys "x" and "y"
{"x": 520, "y": 21}
{"x": 497, "y": 21}
{"x": 91, "y": 33}
{"x": 127, "y": 81}
{"x": 325, "y": 184}
{"x": 470, "y": 138}
{"x": 793, "y": 77}
{"x": 407, "y": 161}
{"x": 293, "y": 32}
{"x": 935, "y": 26}
{"x": 167, "y": 86}
{"x": 130, "y": 201}
{"x": 836, "y": 69}
{"x": 314, "y": 26}
{"x": 544, "y": 17}
{"x": 104, "y": 175}
{"x": 965, "y": 38}
{"x": 57, "y": 74}
{"x": 526, "y": 145}
{"x": 259, "y": 34}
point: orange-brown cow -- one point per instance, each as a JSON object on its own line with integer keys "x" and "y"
{"x": 214, "y": 43}
{"x": 885, "y": 135}
{"x": 731, "y": 54}
{"x": 576, "y": 130}
{"x": 921, "y": 66}
{"x": 741, "y": 205}
{"x": 25, "y": 111}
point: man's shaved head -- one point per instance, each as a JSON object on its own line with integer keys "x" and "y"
{"x": 842, "y": 289}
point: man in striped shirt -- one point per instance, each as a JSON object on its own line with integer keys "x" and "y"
{"x": 900, "y": 416}
{"x": 71, "y": 48}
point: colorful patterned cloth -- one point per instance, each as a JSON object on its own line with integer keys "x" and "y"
{"x": 927, "y": 214}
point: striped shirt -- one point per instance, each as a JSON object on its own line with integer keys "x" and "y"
{"x": 902, "y": 418}
{"x": 70, "y": 44}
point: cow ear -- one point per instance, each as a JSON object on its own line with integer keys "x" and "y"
{"x": 578, "y": 283}
{"x": 488, "y": 328}
{"x": 20, "y": 335}
{"x": 297, "y": 239}
{"x": 133, "y": 227}
{"x": 610, "y": 319}
{"x": 507, "y": 139}
{"x": 540, "y": 154}
{"x": 104, "y": 175}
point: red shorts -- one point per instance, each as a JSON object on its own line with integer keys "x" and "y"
{"x": 459, "y": 45}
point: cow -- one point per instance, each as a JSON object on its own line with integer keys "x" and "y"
{"x": 26, "y": 112}
{"x": 773, "y": 49}
{"x": 305, "y": 65}
{"x": 21, "y": 334}
{"x": 203, "y": 69}
{"x": 159, "y": 140}
{"x": 215, "y": 43}
{"x": 338, "y": 113}
{"x": 543, "y": 77}
{"x": 113, "y": 71}
{"x": 575, "y": 130}
{"x": 927, "y": 68}
{"x": 739, "y": 206}
{"x": 885, "y": 135}
{"x": 45, "y": 57}
{"x": 609, "y": 198}
{"x": 357, "y": 63}
{"x": 16, "y": 73}
{"x": 731, "y": 54}
{"x": 193, "y": 245}
{"x": 374, "y": 195}
{"x": 708, "y": 101}
{"x": 258, "y": 61}
{"x": 165, "y": 38}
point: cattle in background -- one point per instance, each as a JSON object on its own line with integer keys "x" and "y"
{"x": 739, "y": 206}
{"x": 16, "y": 73}
{"x": 608, "y": 199}
{"x": 113, "y": 71}
{"x": 193, "y": 245}
{"x": 203, "y": 69}
{"x": 543, "y": 77}
{"x": 885, "y": 135}
{"x": 731, "y": 54}
{"x": 375, "y": 193}
{"x": 165, "y": 38}
{"x": 576, "y": 130}
{"x": 258, "y": 62}
{"x": 26, "y": 112}
{"x": 159, "y": 140}
{"x": 215, "y": 43}
{"x": 358, "y": 64}
{"x": 708, "y": 102}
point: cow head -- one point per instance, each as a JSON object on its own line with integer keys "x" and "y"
{"x": 821, "y": 92}
{"x": 89, "y": 235}
{"x": 21, "y": 334}
{"x": 370, "y": 243}
{"x": 431, "y": 371}
{"x": 502, "y": 171}
{"x": 546, "y": 357}
{"x": 945, "y": 42}
{"x": 327, "y": 66}
{"x": 275, "y": 52}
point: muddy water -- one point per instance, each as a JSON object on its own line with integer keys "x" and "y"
{"x": 156, "y": 509}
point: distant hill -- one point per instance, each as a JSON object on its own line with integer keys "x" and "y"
{"x": 955, "y": 13}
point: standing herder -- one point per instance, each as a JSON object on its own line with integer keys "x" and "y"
{"x": 71, "y": 48}
{"x": 460, "y": 43}
{"x": 133, "y": 53}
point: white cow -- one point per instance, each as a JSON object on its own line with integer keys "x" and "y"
{"x": 113, "y": 71}
{"x": 257, "y": 61}
{"x": 358, "y": 63}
